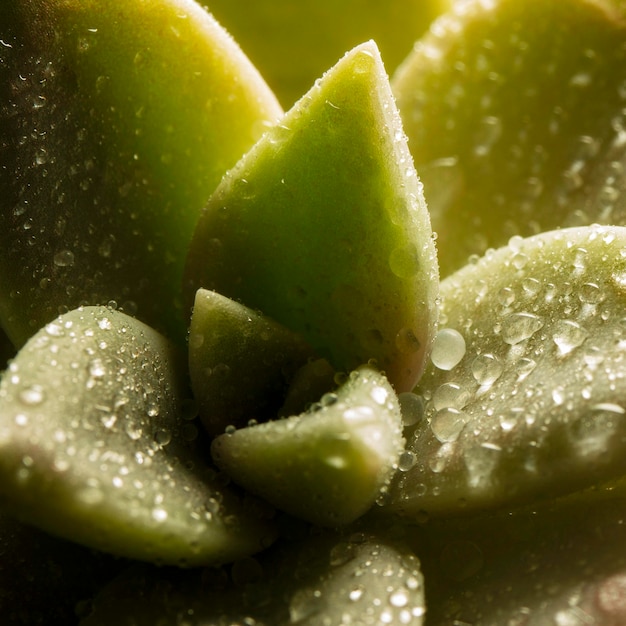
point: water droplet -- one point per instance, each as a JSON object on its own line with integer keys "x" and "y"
{"x": 518, "y": 327}
{"x": 64, "y": 258}
{"x": 163, "y": 437}
{"x": 104, "y": 323}
{"x": 32, "y": 395}
{"x": 404, "y": 261}
{"x": 356, "y": 594}
{"x": 447, "y": 424}
{"x": 506, "y": 296}
{"x": 97, "y": 368}
{"x": 407, "y": 341}
{"x": 448, "y": 349}
{"x": 134, "y": 431}
{"x": 486, "y": 369}
{"x": 379, "y": 395}
{"x": 159, "y": 514}
{"x": 21, "y": 419}
{"x": 590, "y": 293}
{"x": 406, "y": 461}
{"x": 568, "y": 335}
{"x": 399, "y": 598}
{"x": 411, "y": 407}
{"x": 450, "y": 395}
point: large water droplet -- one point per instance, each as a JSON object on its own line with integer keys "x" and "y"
{"x": 568, "y": 335}
{"x": 448, "y": 349}
{"x": 447, "y": 424}
{"x": 518, "y": 327}
{"x": 486, "y": 369}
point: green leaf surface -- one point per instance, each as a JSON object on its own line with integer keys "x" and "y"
{"x": 117, "y": 121}
{"x": 515, "y": 115}
{"x": 292, "y": 43}
{"x": 326, "y": 466}
{"x": 331, "y": 579}
{"x": 527, "y": 399}
{"x": 95, "y": 446}
{"x": 323, "y": 227}
{"x": 240, "y": 362}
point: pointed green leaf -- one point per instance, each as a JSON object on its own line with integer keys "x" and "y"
{"x": 510, "y": 108}
{"x": 328, "y": 579}
{"x": 323, "y": 227}
{"x": 326, "y": 466}
{"x": 240, "y": 362}
{"x": 526, "y": 399}
{"x": 95, "y": 447}
{"x": 118, "y": 120}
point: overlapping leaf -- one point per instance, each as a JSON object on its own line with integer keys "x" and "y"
{"x": 95, "y": 446}
{"x": 532, "y": 402}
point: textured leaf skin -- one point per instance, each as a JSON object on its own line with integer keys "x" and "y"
{"x": 328, "y": 465}
{"x": 96, "y": 447}
{"x": 535, "y": 407}
{"x": 323, "y": 227}
{"x": 515, "y": 114}
{"x": 117, "y": 121}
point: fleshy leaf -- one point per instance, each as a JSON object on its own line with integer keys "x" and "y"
{"x": 332, "y": 579}
{"x": 117, "y": 120}
{"x": 240, "y": 362}
{"x": 327, "y": 466}
{"x": 512, "y": 108}
{"x": 95, "y": 447}
{"x": 527, "y": 400}
{"x": 292, "y": 43}
{"x": 323, "y": 227}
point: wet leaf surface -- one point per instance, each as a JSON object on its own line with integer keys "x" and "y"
{"x": 117, "y": 122}
{"x": 323, "y": 227}
{"x": 526, "y": 400}
{"x": 331, "y": 579}
{"x": 328, "y": 465}
{"x": 562, "y": 564}
{"x": 96, "y": 446}
{"x": 515, "y": 117}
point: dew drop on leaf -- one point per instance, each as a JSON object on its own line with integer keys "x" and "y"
{"x": 448, "y": 349}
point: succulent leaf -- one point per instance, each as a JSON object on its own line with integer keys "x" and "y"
{"x": 515, "y": 116}
{"x": 117, "y": 121}
{"x": 240, "y": 362}
{"x": 530, "y": 404}
{"x": 95, "y": 447}
{"x": 319, "y": 580}
{"x": 326, "y": 466}
{"x": 323, "y": 227}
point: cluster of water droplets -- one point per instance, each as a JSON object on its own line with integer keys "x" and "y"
{"x": 95, "y": 407}
{"x": 529, "y": 359}
{"x": 366, "y": 582}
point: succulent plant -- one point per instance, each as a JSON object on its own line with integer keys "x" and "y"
{"x": 234, "y": 388}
